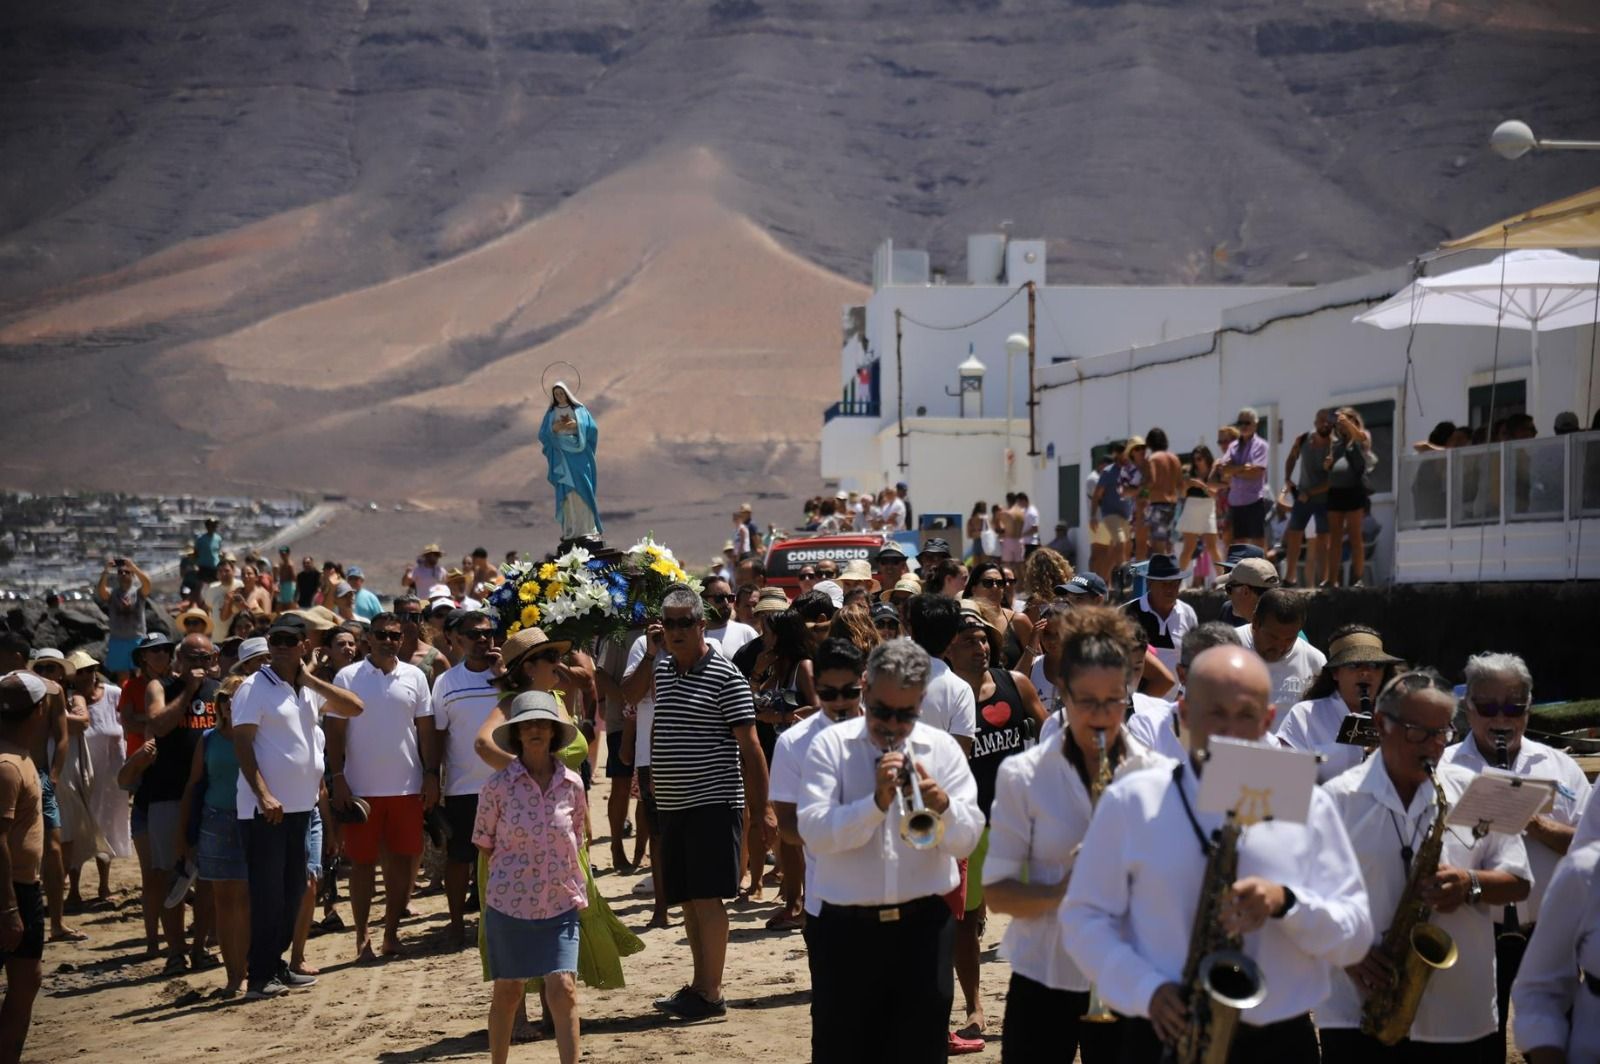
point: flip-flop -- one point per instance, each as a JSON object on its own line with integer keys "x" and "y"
{"x": 959, "y": 1045}
{"x": 786, "y": 922}
{"x": 70, "y": 934}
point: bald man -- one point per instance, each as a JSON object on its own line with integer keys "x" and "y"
{"x": 1298, "y": 900}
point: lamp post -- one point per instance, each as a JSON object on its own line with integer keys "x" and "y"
{"x": 1016, "y": 344}
{"x": 1513, "y": 139}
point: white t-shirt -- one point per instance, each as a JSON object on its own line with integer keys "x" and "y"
{"x": 462, "y": 701}
{"x": 947, "y": 702}
{"x": 287, "y": 743}
{"x": 893, "y": 515}
{"x": 216, "y": 594}
{"x": 1292, "y": 675}
{"x": 382, "y": 758}
{"x": 732, "y": 636}
{"x": 1030, "y": 525}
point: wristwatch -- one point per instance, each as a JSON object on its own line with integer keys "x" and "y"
{"x": 1474, "y": 888}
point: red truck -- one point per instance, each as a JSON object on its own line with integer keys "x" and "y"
{"x": 789, "y": 554}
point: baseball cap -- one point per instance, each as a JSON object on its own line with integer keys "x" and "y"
{"x": 882, "y": 611}
{"x": 34, "y": 685}
{"x": 1254, "y": 572}
{"x": 1083, "y": 584}
{"x": 935, "y": 546}
{"x": 354, "y": 573}
{"x": 287, "y": 622}
{"x": 1239, "y": 552}
{"x": 341, "y": 589}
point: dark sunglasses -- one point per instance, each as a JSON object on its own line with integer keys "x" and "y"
{"x": 886, "y": 622}
{"x": 549, "y": 657}
{"x": 993, "y": 583}
{"x": 720, "y": 598}
{"x": 904, "y": 716}
{"x": 478, "y": 634}
{"x": 388, "y": 636}
{"x": 827, "y": 574}
{"x": 834, "y": 694}
{"x": 680, "y": 624}
{"x": 408, "y": 616}
{"x": 283, "y": 639}
{"x": 806, "y": 576}
{"x": 1511, "y": 710}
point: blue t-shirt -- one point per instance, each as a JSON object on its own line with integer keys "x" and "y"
{"x": 222, "y": 771}
{"x": 1112, "y": 502}
{"x": 208, "y": 550}
{"x": 366, "y": 605}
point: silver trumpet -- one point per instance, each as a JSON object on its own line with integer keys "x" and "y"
{"x": 921, "y": 827}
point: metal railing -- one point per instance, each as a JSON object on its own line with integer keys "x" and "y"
{"x": 851, "y": 408}
{"x": 1552, "y": 478}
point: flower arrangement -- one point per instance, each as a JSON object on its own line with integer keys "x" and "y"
{"x": 651, "y": 568}
{"x": 576, "y": 597}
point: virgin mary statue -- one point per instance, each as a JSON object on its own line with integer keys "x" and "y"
{"x": 568, "y": 435}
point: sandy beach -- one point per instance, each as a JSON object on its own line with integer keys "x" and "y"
{"x": 101, "y": 1000}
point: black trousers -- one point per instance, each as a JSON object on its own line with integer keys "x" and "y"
{"x": 1294, "y": 1039}
{"x": 881, "y": 990}
{"x": 1509, "y": 946}
{"x": 1043, "y": 1026}
{"x": 275, "y": 856}
{"x": 1350, "y": 1046}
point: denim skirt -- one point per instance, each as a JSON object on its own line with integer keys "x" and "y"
{"x": 525, "y": 949}
{"x": 221, "y": 845}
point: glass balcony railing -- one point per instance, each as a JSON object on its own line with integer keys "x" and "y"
{"x": 1553, "y": 478}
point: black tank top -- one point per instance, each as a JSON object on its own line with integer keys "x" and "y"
{"x": 1000, "y": 734}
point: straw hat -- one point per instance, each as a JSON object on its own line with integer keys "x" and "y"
{"x": 52, "y": 656}
{"x": 907, "y": 583}
{"x": 974, "y": 612}
{"x": 78, "y": 661}
{"x": 860, "y": 572}
{"x": 1359, "y": 648}
{"x": 430, "y": 548}
{"x": 194, "y": 613}
{"x": 534, "y": 705}
{"x": 771, "y": 600}
{"x": 528, "y": 641}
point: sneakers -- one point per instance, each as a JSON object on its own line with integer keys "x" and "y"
{"x": 689, "y": 1004}
{"x": 261, "y": 991}
{"x": 293, "y": 980}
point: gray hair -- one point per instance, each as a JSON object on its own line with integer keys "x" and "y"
{"x": 682, "y": 596}
{"x": 1208, "y": 635}
{"x": 1491, "y": 664}
{"x": 900, "y": 659}
{"x": 1407, "y": 684}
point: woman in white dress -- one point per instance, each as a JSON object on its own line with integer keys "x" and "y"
{"x": 104, "y": 744}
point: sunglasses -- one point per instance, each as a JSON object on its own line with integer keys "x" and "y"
{"x": 478, "y": 634}
{"x": 678, "y": 624}
{"x": 806, "y": 576}
{"x": 1416, "y": 733}
{"x": 904, "y": 716}
{"x": 409, "y": 616}
{"x": 886, "y": 624}
{"x": 388, "y": 636}
{"x": 835, "y": 694}
{"x": 1510, "y": 710}
{"x": 283, "y": 639}
{"x": 993, "y": 583}
{"x": 828, "y": 574}
{"x": 719, "y": 598}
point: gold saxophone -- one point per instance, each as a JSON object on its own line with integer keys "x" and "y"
{"x": 1097, "y": 1011}
{"x": 1414, "y": 948}
{"x": 1219, "y": 981}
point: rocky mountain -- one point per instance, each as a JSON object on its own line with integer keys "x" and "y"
{"x": 331, "y": 246}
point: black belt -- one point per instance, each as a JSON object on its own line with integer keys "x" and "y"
{"x": 917, "y": 908}
{"x": 1593, "y": 983}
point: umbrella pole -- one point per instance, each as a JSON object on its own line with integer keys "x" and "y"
{"x": 1533, "y": 372}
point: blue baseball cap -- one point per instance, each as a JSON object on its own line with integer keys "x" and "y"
{"x": 1083, "y": 584}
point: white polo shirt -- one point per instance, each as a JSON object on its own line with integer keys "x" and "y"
{"x": 1540, "y": 762}
{"x": 1459, "y": 1004}
{"x": 947, "y": 702}
{"x": 1291, "y": 675}
{"x": 381, "y": 754}
{"x": 1152, "y": 724}
{"x": 1314, "y": 727}
{"x": 784, "y": 781}
{"x": 1588, "y": 825}
{"x": 287, "y": 742}
{"x": 462, "y": 701}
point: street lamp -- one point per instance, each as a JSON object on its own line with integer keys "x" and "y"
{"x": 1513, "y": 139}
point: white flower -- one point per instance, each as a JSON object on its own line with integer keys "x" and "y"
{"x": 577, "y": 556}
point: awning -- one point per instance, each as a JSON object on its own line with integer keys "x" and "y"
{"x": 1573, "y": 222}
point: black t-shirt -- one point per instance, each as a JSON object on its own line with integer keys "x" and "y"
{"x": 164, "y": 780}
{"x": 306, "y": 585}
{"x": 1001, "y": 732}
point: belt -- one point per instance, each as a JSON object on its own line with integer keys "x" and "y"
{"x": 885, "y": 914}
{"x": 1592, "y": 982}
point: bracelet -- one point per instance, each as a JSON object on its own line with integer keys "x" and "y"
{"x": 337, "y": 776}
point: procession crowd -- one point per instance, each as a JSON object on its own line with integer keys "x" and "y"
{"x": 909, "y": 743}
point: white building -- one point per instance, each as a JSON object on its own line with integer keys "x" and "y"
{"x": 1112, "y": 362}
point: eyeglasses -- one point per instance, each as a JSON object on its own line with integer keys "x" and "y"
{"x": 679, "y": 624}
{"x": 835, "y": 694}
{"x": 1416, "y": 733}
{"x": 388, "y": 636}
{"x": 903, "y": 715}
{"x": 1091, "y": 706}
{"x": 283, "y": 639}
{"x": 478, "y": 635}
{"x": 1511, "y": 710}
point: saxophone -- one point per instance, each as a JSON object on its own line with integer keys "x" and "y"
{"x": 1097, "y": 1011}
{"x": 1219, "y": 981}
{"x": 1414, "y": 948}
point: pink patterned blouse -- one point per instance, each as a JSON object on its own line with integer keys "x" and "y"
{"x": 532, "y": 836}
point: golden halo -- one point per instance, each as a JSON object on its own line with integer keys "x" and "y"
{"x": 551, "y": 374}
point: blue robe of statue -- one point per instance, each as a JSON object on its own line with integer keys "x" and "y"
{"x": 572, "y": 467}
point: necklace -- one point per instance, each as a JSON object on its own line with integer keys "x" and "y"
{"x": 1407, "y": 846}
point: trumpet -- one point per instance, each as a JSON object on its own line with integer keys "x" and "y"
{"x": 921, "y": 827}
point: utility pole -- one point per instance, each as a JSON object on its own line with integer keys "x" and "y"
{"x": 1033, "y": 396}
{"x": 900, "y": 386}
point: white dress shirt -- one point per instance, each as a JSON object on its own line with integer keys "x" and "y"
{"x": 1588, "y": 824}
{"x": 1459, "y": 1004}
{"x": 1539, "y": 762}
{"x": 860, "y": 857}
{"x": 1314, "y": 726}
{"x": 1152, "y": 725}
{"x": 1550, "y": 1004}
{"x": 784, "y": 782}
{"x": 947, "y": 702}
{"x": 1040, "y": 813}
{"x": 1129, "y": 911}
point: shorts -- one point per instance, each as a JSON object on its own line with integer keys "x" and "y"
{"x": 119, "y": 654}
{"x": 528, "y": 949}
{"x": 314, "y": 845}
{"x": 700, "y": 852}
{"x": 975, "y": 873}
{"x": 1199, "y": 518}
{"x": 616, "y": 768}
{"x": 1249, "y": 520}
{"x": 1100, "y": 536}
{"x": 1307, "y": 508}
{"x": 221, "y": 851}
{"x": 460, "y": 812}
{"x": 30, "y": 907}
{"x": 1158, "y": 519}
{"x": 163, "y": 832}
{"x": 394, "y": 821}
{"x": 138, "y": 821}
{"x": 47, "y": 802}
{"x": 1347, "y": 500}
{"x": 1116, "y": 529}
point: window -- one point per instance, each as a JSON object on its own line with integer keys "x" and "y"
{"x": 1509, "y": 397}
{"x": 1378, "y": 416}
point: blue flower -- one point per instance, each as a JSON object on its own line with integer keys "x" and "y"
{"x": 595, "y": 564}
{"x": 638, "y": 612}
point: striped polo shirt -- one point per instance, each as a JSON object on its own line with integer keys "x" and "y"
{"x": 694, "y": 758}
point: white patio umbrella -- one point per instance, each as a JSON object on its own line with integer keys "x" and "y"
{"x": 1535, "y": 291}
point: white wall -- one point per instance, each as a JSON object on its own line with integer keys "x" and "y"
{"x": 952, "y": 463}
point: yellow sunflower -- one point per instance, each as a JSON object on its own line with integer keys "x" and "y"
{"x": 529, "y": 592}
{"x": 664, "y": 567}
{"x": 554, "y": 589}
{"x": 547, "y": 571}
{"x": 530, "y": 616}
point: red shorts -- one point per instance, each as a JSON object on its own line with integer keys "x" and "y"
{"x": 957, "y": 899}
{"x": 394, "y": 825}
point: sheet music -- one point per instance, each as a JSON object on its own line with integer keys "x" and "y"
{"x": 1503, "y": 802}
{"x": 1258, "y": 781}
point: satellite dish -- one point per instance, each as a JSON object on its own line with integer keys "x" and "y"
{"x": 560, "y": 371}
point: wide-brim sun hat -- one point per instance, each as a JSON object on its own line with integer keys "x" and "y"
{"x": 528, "y": 641}
{"x": 79, "y": 661}
{"x": 1359, "y": 648}
{"x": 52, "y": 656}
{"x": 194, "y": 613}
{"x": 771, "y": 600}
{"x": 975, "y": 613}
{"x": 530, "y": 706}
{"x": 859, "y": 571}
{"x": 1163, "y": 567}
{"x": 151, "y": 641}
